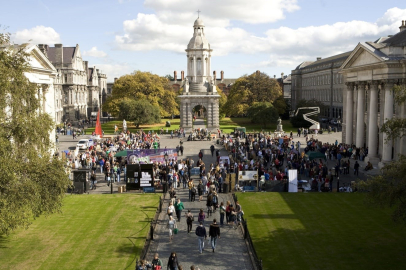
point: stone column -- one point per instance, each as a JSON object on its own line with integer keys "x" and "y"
{"x": 349, "y": 112}
{"x": 388, "y": 114}
{"x": 373, "y": 124}
{"x": 360, "y": 133}
{"x": 194, "y": 68}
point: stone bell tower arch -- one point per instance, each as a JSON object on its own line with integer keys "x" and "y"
{"x": 199, "y": 87}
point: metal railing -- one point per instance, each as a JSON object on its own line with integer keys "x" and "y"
{"x": 150, "y": 235}
{"x": 257, "y": 261}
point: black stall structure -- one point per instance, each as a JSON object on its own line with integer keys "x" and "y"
{"x": 81, "y": 185}
{"x": 140, "y": 176}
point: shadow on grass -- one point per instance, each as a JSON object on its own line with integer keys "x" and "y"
{"x": 272, "y": 216}
{"x": 4, "y": 241}
{"x": 130, "y": 248}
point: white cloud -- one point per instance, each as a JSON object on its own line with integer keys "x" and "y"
{"x": 37, "y": 35}
{"x": 94, "y": 52}
{"x": 254, "y": 11}
{"x": 114, "y": 70}
{"x": 285, "y": 47}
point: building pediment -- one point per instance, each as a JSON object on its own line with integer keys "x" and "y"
{"x": 38, "y": 61}
{"x": 363, "y": 55}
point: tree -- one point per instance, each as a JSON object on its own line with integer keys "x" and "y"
{"x": 139, "y": 111}
{"x": 169, "y": 77}
{"x": 298, "y": 120}
{"x": 143, "y": 85}
{"x": 32, "y": 181}
{"x": 263, "y": 113}
{"x": 281, "y": 105}
{"x": 248, "y": 89}
{"x": 389, "y": 188}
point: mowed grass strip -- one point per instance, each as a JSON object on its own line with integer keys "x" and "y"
{"x": 322, "y": 231}
{"x": 228, "y": 124}
{"x": 108, "y": 127}
{"x": 93, "y": 232}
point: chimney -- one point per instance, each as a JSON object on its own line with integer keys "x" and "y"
{"x": 44, "y": 49}
{"x": 257, "y": 72}
{"x": 274, "y": 76}
{"x": 115, "y": 79}
{"x": 175, "y": 75}
{"x": 318, "y": 58}
{"x": 222, "y": 75}
{"x": 58, "y": 54}
{"x": 403, "y": 26}
{"x": 214, "y": 76}
{"x": 182, "y": 75}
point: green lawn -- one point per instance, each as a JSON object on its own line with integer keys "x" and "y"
{"x": 322, "y": 231}
{"x": 228, "y": 124}
{"x": 93, "y": 232}
{"x": 108, "y": 128}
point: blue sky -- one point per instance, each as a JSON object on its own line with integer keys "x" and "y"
{"x": 274, "y": 36}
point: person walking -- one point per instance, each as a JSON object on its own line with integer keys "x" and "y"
{"x": 190, "y": 185}
{"x": 193, "y": 198}
{"x": 171, "y": 227}
{"x": 173, "y": 263}
{"x": 156, "y": 262}
{"x": 201, "y": 235}
{"x": 222, "y": 213}
{"x": 201, "y": 217}
{"x": 170, "y": 209}
{"x": 356, "y": 168}
{"x": 189, "y": 220}
{"x": 214, "y": 232}
{"x": 93, "y": 179}
{"x": 178, "y": 208}
{"x": 200, "y": 188}
{"x": 212, "y": 150}
{"x": 228, "y": 212}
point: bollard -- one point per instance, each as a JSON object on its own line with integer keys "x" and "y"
{"x": 245, "y": 229}
{"x": 111, "y": 187}
{"x": 338, "y": 184}
{"x": 260, "y": 264}
{"x": 152, "y": 232}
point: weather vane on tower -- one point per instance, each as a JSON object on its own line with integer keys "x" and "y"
{"x": 198, "y": 13}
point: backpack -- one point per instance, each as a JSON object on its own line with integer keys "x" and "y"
{"x": 215, "y": 199}
{"x": 193, "y": 190}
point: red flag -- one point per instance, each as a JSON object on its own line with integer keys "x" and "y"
{"x": 98, "y": 129}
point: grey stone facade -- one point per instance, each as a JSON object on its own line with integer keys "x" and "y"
{"x": 320, "y": 80}
{"x": 78, "y": 88}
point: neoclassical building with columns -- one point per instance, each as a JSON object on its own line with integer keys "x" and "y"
{"x": 370, "y": 73}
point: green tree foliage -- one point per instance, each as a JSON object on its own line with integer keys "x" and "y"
{"x": 281, "y": 105}
{"x": 143, "y": 86}
{"x": 298, "y": 121}
{"x": 249, "y": 89}
{"x": 263, "y": 113}
{"x": 32, "y": 181}
{"x": 139, "y": 111}
{"x": 389, "y": 188}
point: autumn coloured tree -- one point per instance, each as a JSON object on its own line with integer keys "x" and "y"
{"x": 143, "y": 86}
{"x": 249, "y": 89}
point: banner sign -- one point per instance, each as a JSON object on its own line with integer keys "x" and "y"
{"x": 292, "y": 181}
{"x": 150, "y": 155}
{"x": 149, "y": 190}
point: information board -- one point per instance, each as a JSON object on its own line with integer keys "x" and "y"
{"x": 139, "y": 176}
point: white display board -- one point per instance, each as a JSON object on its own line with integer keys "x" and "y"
{"x": 249, "y": 175}
{"x": 292, "y": 180}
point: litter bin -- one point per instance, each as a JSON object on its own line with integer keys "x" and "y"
{"x": 225, "y": 187}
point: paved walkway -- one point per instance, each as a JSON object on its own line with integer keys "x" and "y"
{"x": 231, "y": 252}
